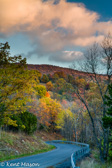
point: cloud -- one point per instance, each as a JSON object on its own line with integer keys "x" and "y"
{"x": 86, "y": 41}
{"x": 52, "y": 25}
{"x": 67, "y": 56}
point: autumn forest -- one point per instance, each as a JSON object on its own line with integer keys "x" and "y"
{"x": 75, "y": 104}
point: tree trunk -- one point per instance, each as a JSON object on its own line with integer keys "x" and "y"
{"x": 106, "y": 144}
{"x": 0, "y": 132}
{"x": 75, "y": 133}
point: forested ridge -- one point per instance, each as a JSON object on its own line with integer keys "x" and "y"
{"x": 77, "y": 105}
{"x": 51, "y": 69}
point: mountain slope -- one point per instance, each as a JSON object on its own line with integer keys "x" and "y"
{"x": 51, "y": 69}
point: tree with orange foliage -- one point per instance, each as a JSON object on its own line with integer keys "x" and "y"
{"x": 47, "y": 94}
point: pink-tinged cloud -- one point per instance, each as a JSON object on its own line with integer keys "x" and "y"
{"x": 87, "y": 41}
{"x": 52, "y": 26}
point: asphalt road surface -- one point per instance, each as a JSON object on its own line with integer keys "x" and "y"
{"x": 43, "y": 160}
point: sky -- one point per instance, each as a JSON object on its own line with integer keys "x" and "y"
{"x": 54, "y": 32}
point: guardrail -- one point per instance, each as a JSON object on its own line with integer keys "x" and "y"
{"x": 78, "y": 154}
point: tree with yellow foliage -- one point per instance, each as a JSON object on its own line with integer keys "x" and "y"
{"x": 65, "y": 122}
{"x": 49, "y": 86}
{"x": 48, "y": 110}
{"x": 17, "y": 84}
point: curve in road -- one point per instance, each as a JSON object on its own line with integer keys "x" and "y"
{"x": 43, "y": 160}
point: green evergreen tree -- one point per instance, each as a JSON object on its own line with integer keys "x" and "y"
{"x": 107, "y": 120}
{"x": 26, "y": 122}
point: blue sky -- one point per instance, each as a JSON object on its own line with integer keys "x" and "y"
{"x": 103, "y": 7}
{"x": 53, "y": 32}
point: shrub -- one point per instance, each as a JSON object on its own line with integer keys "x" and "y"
{"x": 26, "y": 122}
{"x": 30, "y": 122}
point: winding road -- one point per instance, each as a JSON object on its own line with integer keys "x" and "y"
{"x": 43, "y": 160}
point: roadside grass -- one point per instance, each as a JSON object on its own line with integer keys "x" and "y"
{"x": 91, "y": 163}
{"x": 94, "y": 161}
{"x": 7, "y": 157}
{"x": 16, "y": 145}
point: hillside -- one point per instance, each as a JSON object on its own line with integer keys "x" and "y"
{"x": 15, "y": 145}
{"x": 51, "y": 69}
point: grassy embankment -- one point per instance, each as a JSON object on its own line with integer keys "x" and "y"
{"x": 94, "y": 162}
{"x": 15, "y": 145}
